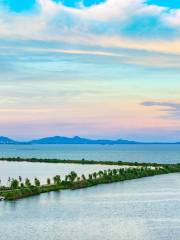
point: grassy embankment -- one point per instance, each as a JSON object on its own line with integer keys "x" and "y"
{"x": 82, "y": 161}
{"x": 19, "y": 189}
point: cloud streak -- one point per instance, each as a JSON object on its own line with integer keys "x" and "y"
{"x": 172, "y": 109}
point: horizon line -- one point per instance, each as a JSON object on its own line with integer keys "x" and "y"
{"x": 87, "y": 138}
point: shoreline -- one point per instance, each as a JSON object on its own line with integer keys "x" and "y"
{"x": 83, "y": 161}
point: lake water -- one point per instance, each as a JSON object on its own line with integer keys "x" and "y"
{"x": 162, "y": 153}
{"x": 44, "y": 170}
{"x": 142, "y": 209}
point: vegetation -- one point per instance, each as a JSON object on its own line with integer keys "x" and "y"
{"x": 82, "y": 161}
{"x": 17, "y": 189}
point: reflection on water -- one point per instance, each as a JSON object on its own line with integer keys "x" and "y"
{"x": 142, "y": 209}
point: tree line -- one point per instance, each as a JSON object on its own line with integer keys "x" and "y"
{"x": 19, "y": 189}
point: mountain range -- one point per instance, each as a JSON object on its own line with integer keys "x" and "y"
{"x": 73, "y": 140}
{"x": 64, "y": 140}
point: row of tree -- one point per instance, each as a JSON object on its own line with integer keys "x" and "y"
{"x": 19, "y": 189}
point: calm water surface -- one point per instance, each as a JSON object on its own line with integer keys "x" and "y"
{"x": 143, "y": 209}
{"x": 44, "y": 170}
{"x": 162, "y": 153}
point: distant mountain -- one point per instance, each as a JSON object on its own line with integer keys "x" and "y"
{"x": 6, "y": 140}
{"x": 78, "y": 140}
{"x": 65, "y": 140}
{"x": 74, "y": 140}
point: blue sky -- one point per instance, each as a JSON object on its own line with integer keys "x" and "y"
{"x": 25, "y": 5}
{"x": 166, "y": 3}
{"x": 100, "y": 69}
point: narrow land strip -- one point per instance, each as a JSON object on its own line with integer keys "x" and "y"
{"x": 19, "y": 189}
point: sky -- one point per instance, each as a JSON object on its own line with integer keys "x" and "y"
{"x": 93, "y": 68}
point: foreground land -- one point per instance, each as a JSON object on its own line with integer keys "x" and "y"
{"x": 19, "y": 189}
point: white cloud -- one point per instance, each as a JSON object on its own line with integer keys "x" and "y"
{"x": 172, "y": 18}
{"x": 54, "y": 22}
{"x": 110, "y": 10}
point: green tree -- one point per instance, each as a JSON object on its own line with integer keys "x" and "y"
{"x": 48, "y": 181}
{"x": 100, "y": 173}
{"x": 66, "y": 178}
{"x": 72, "y": 176}
{"x": 95, "y": 175}
{"x": 14, "y": 184}
{"x": 90, "y": 177}
{"x": 57, "y": 180}
{"x": 83, "y": 177}
{"x": 27, "y": 182}
{"x": 37, "y": 182}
